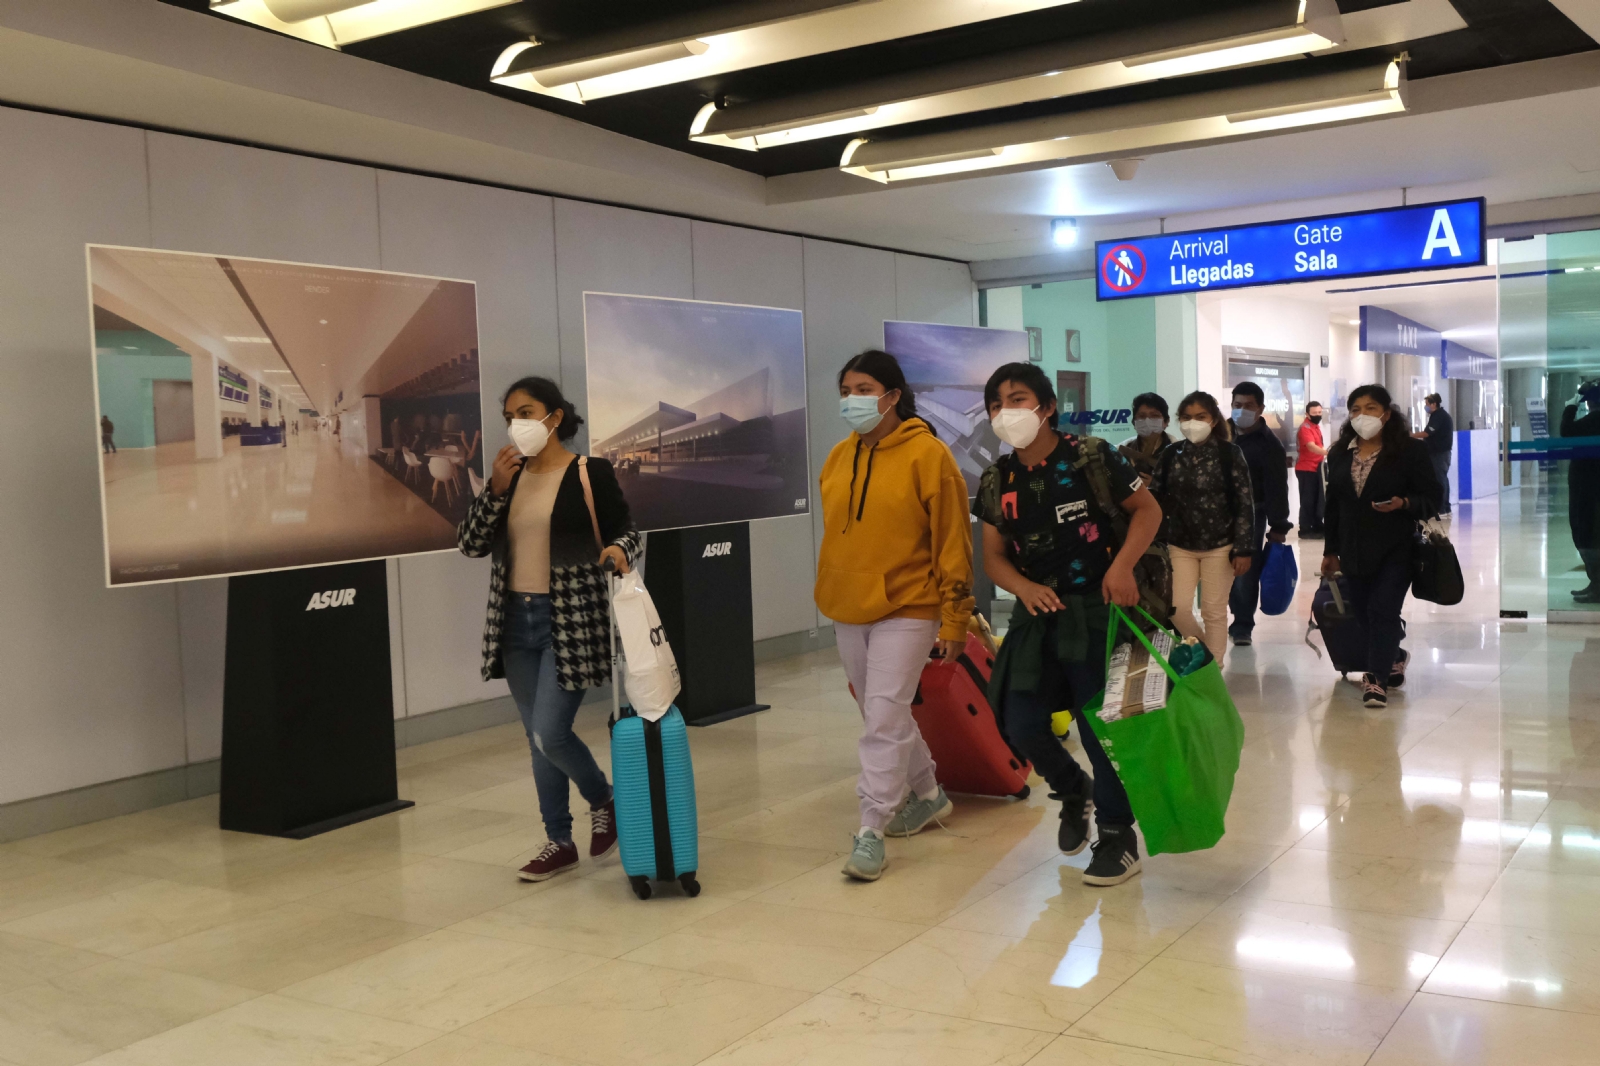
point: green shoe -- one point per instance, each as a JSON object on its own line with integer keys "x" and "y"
{"x": 867, "y": 858}
{"x": 914, "y": 817}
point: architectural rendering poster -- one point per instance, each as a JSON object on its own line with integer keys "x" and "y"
{"x": 255, "y": 415}
{"x": 946, "y": 367}
{"x": 700, "y": 406}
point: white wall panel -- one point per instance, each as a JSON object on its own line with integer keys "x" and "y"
{"x": 231, "y": 200}
{"x": 612, "y": 249}
{"x": 743, "y": 266}
{"x": 109, "y": 684}
{"x": 93, "y": 687}
{"x": 933, "y": 290}
{"x": 203, "y": 631}
{"x": 850, "y": 292}
{"x": 505, "y": 242}
{"x": 441, "y": 605}
{"x": 746, "y": 266}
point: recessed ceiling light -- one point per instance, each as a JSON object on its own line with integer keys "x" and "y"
{"x": 323, "y": 321}
{"x": 718, "y": 40}
{"x": 1064, "y": 232}
{"x": 248, "y": 340}
{"x": 332, "y": 23}
{"x": 1059, "y": 140}
{"x": 1355, "y": 322}
{"x": 1265, "y": 31}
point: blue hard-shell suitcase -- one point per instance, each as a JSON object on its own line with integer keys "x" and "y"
{"x": 653, "y": 778}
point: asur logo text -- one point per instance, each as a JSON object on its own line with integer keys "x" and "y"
{"x": 725, "y": 548}
{"x": 331, "y": 598}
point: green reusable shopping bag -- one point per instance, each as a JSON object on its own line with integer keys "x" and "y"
{"x": 1177, "y": 763}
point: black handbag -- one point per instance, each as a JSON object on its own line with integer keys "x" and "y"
{"x": 1435, "y": 571}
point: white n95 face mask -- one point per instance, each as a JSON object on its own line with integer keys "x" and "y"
{"x": 1196, "y": 430}
{"x": 1017, "y": 426}
{"x": 529, "y": 435}
{"x": 1368, "y": 426}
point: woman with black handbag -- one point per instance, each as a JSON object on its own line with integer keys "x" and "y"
{"x": 1380, "y": 485}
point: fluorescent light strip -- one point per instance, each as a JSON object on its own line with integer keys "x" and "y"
{"x": 773, "y": 41}
{"x": 332, "y": 23}
{"x": 941, "y": 155}
{"x": 1213, "y": 42}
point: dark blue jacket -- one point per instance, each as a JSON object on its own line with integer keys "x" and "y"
{"x": 1269, "y": 474}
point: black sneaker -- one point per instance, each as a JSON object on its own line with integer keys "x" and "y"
{"x": 1397, "y": 675}
{"x": 1240, "y": 640}
{"x": 1074, "y": 832}
{"x": 1372, "y": 693}
{"x": 1116, "y": 856}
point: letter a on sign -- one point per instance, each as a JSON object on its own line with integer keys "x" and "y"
{"x": 1441, "y": 234}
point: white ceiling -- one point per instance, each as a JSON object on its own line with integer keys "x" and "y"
{"x": 1466, "y": 311}
{"x": 151, "y": 63}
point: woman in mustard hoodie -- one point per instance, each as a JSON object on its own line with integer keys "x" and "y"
{"x": 895, "y": 575}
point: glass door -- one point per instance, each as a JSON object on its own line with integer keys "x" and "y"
{"x": 1550, "y": 387}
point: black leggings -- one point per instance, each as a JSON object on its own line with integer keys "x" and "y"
{"x": 1376, "y": 599}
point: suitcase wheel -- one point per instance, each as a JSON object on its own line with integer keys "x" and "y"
{"x": 691, "y": 887}
{"x": 641, "y": 886}
{"x": 1022, "y": 793}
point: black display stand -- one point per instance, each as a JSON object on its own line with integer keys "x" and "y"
{"x": 308, "y": 704}
{"x": 700, "y": 581}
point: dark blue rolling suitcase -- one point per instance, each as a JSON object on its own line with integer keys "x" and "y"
{"x": 653, "y": 778}
{"x": 1342, "y": 635}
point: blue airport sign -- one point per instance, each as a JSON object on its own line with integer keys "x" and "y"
{"x": 1384, "y": 331}
{"x": 1394, "y": 240}
{"x": 1464, "y": 364}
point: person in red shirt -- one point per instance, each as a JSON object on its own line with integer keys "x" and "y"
{"x": 1308, "y": 470}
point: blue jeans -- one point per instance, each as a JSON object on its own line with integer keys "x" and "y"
{"x": 1246, "y": 593}
{"x": 1027, "y": 718}
{"x": 547, "y": 710}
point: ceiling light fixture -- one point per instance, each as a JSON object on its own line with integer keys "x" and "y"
{"x": 717, "y": 40}
{"x": 333, "y": 23}
{"x": 248, "y": 340}
{"x": 1064, "y": 232}
{"x": 1265, "y": 31}
{"x": 1201, "y": 118}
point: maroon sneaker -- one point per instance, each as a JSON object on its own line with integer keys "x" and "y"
{"x": 603, "y": 830}
{"x": 552, "y": 859}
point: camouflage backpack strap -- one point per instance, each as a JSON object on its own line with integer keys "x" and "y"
{"x": 1091, "y": 462}
{"x": 1153, "y": 571}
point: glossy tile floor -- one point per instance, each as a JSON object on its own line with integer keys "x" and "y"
{"x": 1414, "y": 886}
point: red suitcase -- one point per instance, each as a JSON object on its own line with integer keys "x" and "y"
{"x": 963, "y": 732}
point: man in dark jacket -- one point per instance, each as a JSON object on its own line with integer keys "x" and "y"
{"x": 1440, "y": 438}
{"x": 1269, "y": 485}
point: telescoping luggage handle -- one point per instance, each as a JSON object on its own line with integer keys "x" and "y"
{"x": 1332, "y": 582}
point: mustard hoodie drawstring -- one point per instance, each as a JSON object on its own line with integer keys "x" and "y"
{"x": 855, "y": 511}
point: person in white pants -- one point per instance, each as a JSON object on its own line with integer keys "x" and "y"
{"x": 1203, "y": 485}
{"x": 895, "y": 575}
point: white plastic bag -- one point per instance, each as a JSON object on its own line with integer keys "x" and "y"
{"x": 653, "y": 680}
